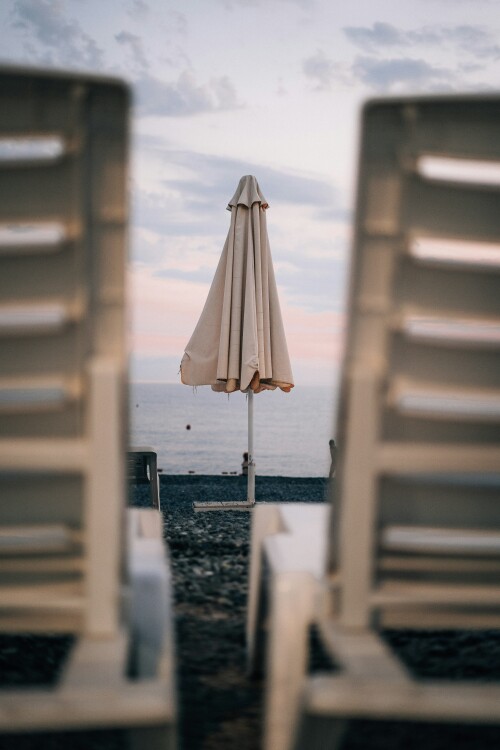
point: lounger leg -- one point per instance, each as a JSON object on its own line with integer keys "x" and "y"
{"x": 291, "y": 606}
{"x": 265, "y": 521}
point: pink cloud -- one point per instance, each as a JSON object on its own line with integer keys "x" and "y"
{"x": 165, "y": 311}
{"x": 313, "y": 335}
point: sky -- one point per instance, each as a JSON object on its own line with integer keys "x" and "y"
{"x": 223, "y": 88}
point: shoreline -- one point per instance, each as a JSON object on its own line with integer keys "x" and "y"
{"x": 231, "y": 487}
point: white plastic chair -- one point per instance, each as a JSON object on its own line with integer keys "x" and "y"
{"x": 414, "y": 529}
{"x": 71, "y": 559}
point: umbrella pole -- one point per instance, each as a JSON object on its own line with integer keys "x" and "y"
{"x": 250, "y": 501}
{"x": 251, "y": 465}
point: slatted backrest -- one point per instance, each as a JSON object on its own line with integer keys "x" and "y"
{"x": 419, "y": 410}
{"x": 63, "y": 216}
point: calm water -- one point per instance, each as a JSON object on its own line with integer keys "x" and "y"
{"x": 291, "y": 430}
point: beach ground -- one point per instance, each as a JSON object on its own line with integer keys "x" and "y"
{"x": 220, "y": 706}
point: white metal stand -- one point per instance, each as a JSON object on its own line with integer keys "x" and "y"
{"x": 250, "y": 501}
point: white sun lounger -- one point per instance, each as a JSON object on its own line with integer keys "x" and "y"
{"x": 414, "y": 533}
{"x": 72, "y": 558}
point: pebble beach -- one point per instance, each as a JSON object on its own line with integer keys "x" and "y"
{"x": 220, "y": 706}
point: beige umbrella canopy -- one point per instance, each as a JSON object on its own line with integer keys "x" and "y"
{"x": 239, "y": 342}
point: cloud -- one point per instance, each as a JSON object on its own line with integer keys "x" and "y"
{"x": 63, "y": 39}
{"x": 320, "y": 70}
{"x": 473, "y": 45}
{"x": 475, "y": 40}
{"x": 164, "y": 313}
{"x": 167, "y": 308}
{"x": 313, "y": 284}
{"x": 134, "y": 44}
{"x": 372, "y": 38}
{"x": 54, "y": 38}
{"x": 313, "y": 336}
{"x": 232, "y": 4}
{"x": 137, "y": 9}
{"x": 324, "y": 73}
{"x": 180, "y": 226}
{"x": 201, "y": 275}
{"x": 185, "y": 96}
{"x": 195, "y": 206}
{"x": 159, "y": 213}
{"x": 217, "y": 177}
{"x": 179, "y": 231}
{"x": 402, "y": 74}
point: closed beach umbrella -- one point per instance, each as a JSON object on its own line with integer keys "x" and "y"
{"x": 239, "y": 342}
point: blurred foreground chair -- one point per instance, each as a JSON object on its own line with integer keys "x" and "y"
{"x": 143, "y": 469}
{"x": 72, "y": 558}
{"x": 412, "y": 536}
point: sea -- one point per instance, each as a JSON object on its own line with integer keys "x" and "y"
{"x": 198, "y": 431}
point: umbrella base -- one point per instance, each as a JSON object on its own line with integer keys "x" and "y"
{"x": 225, "y": 505}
